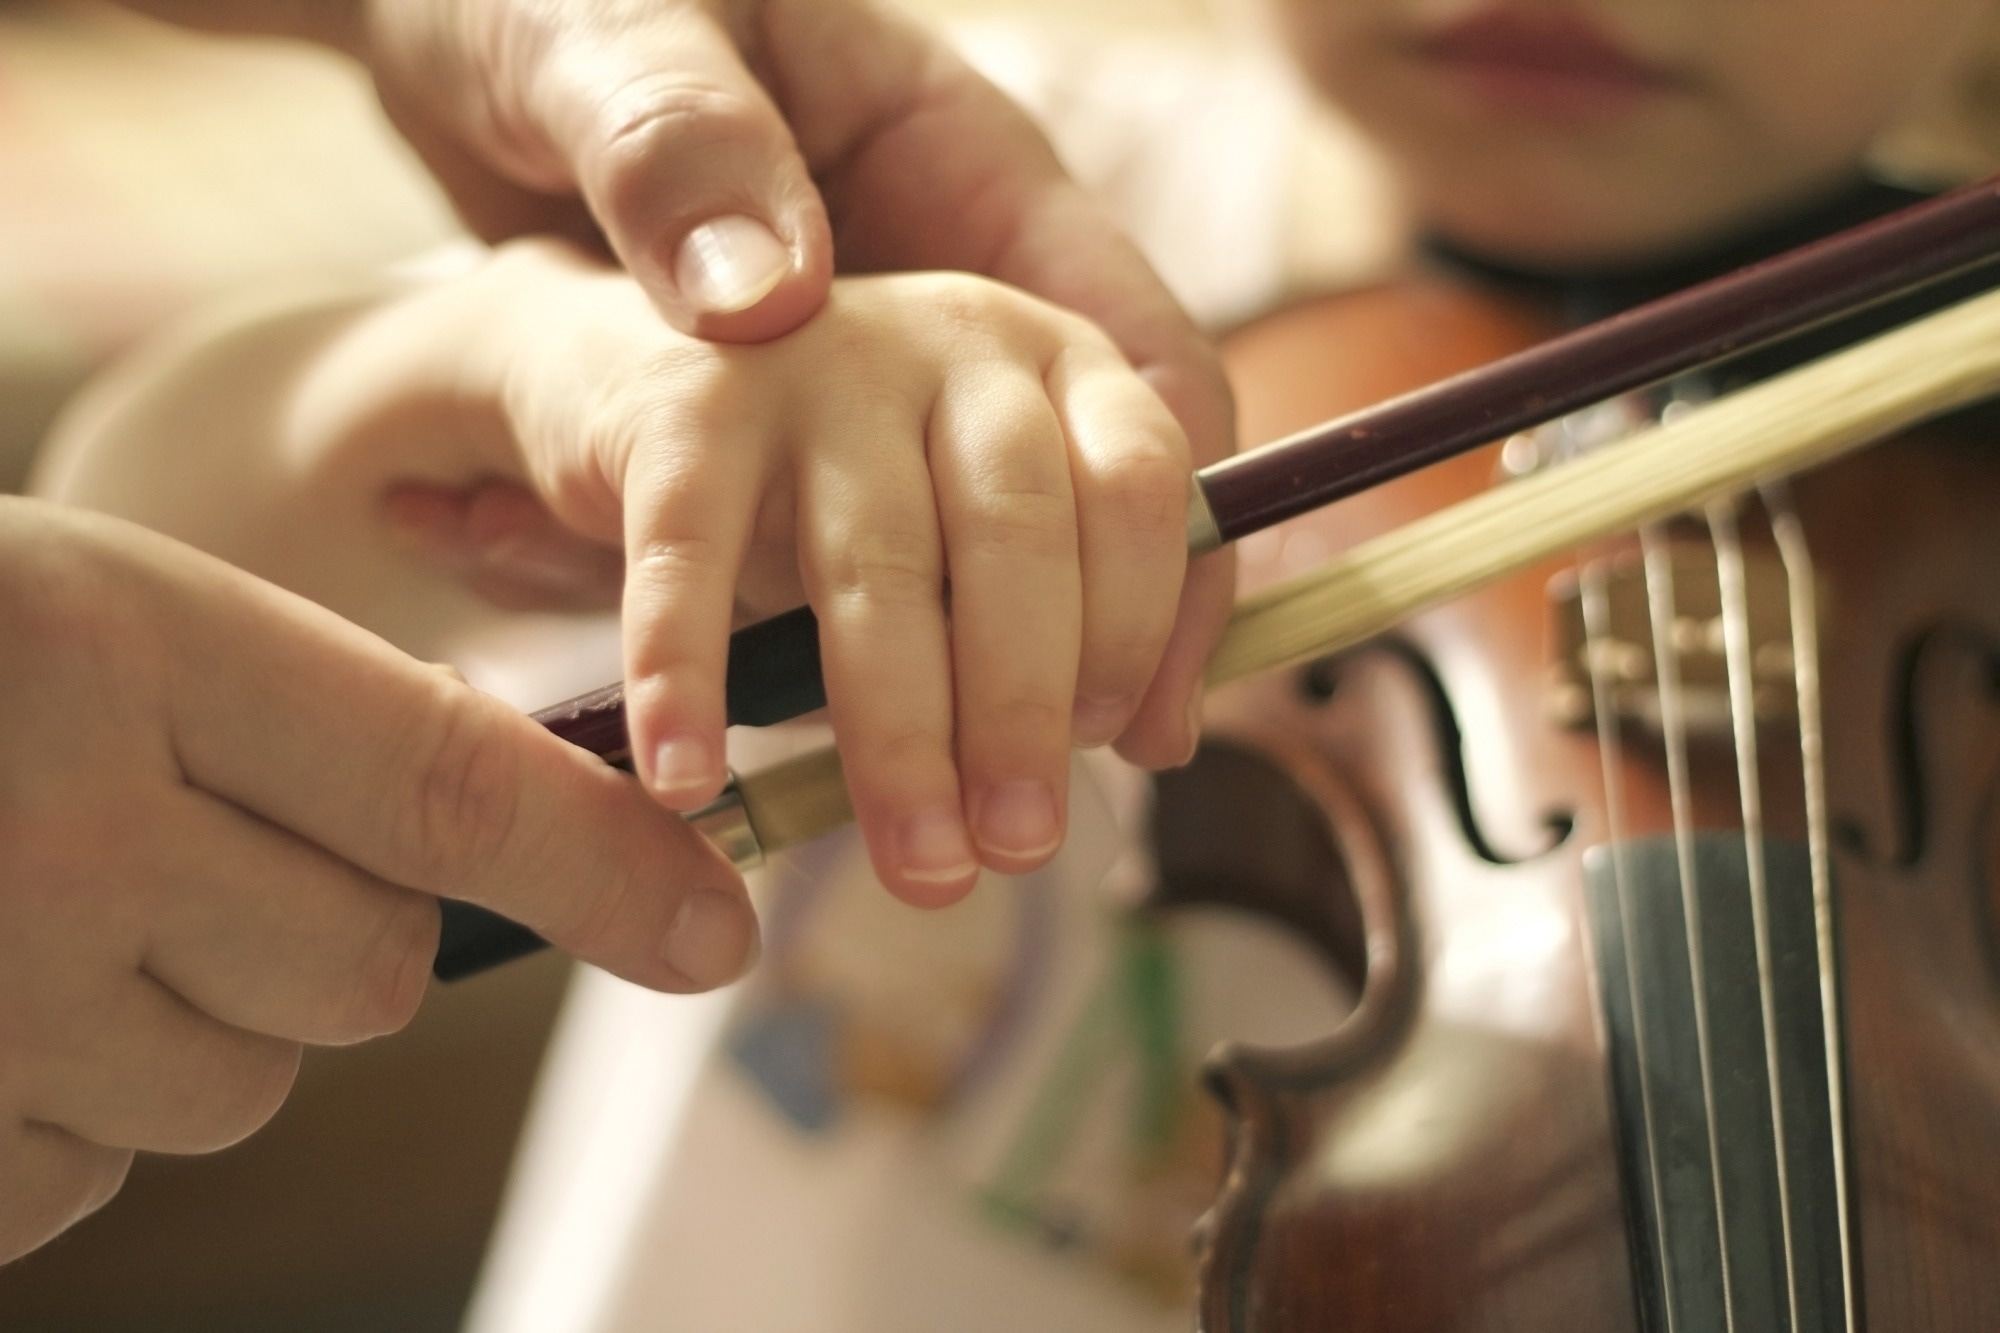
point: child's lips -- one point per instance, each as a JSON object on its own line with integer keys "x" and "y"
{"x": 1550, "y": 65}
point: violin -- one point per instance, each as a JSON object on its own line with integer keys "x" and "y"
{"x": 1664, "y": 873}
{"x": 1661, "y": 863}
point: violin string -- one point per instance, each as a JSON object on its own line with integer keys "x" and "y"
{"x": 1730, "y": 581}
{"x": 1596, "y": 602}
{"x": 1802, "y": 591}
{"x": 1658, "y": 565}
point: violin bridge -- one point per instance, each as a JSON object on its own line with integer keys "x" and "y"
{"x": 1625, "y": 654}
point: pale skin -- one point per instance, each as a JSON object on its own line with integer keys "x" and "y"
{"x": 641, "y": 120}
{"x": 839, "y": 128}
{"x": 1763, "y": 103}
{"x": 224, "y": 815}
{"x": 304, "y": 787}
{"x": 904, "y": 138}
{"x": 920, "y": 429}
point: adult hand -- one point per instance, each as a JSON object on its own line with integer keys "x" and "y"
{"x": 224, "y": 815}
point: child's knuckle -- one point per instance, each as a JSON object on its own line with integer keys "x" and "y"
{"x": 1025, "y": 712}
{"x": 1024, "y": 522}
{"x": 905, "y": 747}
{"x": 1144, "y": 487}
{"x": 676, "y": 560}
{"x": 975, "y": 310}
{"x": 674, "y": 395}
{"x": 885, "y": 564}
{"x": 1119, "y": 660}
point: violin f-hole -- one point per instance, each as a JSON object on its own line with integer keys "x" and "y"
{"x": 1908, "y": 782}
{"x": 1319, "y": 683}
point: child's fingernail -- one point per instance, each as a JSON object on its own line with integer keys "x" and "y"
{"x": 683, "y": 767}
{"x": 712, "y": 938}
{"x": 1098, "y": 721}
{"x": 730, "y": 263}
{"x": 1018, "y": 819}
{"x": 933, "y": 848}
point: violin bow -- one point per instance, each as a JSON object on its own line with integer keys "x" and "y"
{"x": 1782, "y": 425}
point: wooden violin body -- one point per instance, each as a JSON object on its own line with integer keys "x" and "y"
{"x": 1471, "y": 1149}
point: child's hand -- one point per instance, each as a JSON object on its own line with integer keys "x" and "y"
{"x": 985, "y": 506}
{"x": 924, "y": 433}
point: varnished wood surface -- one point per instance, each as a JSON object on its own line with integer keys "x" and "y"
{"x": 1435, "y": 418}
{"x": 1445, "y": 1159}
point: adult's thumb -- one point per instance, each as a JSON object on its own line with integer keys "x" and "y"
{"x": 688, "y": 167}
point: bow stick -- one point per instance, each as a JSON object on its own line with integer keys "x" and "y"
{"x": 1787, "y": 423}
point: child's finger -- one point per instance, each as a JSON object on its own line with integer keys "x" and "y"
{"x": 1004, "y": 494}
{"x": 1131, "y": 473}
{"x": 1167, "y": 726}
{"x": 874, "y": 567}
{"x": 688, "y": 515}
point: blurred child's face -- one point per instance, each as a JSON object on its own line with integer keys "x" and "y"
{"x": 1612, "y": 131}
